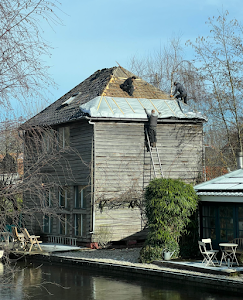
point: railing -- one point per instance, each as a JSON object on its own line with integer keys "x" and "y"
{"x": 62, "y": 240}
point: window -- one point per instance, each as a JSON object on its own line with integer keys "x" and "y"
{"x": 209, "y": 222}
{"x": 80, "y": 199}
{"x": 47, "y": 224}
{"x": 64, "y": 225}
{"x": 64, "y": 136}
{"x": 64, "y": 197}
{"x": 49, "y": 198}
{"x": 48, "y": 140}
{"x": 240, "y": 221}
{"x": 222, "y": 222}
{"x": 80, "y": 224}
{"x": 226, "y": 223}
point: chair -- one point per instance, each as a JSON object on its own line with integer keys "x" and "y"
{"x": 31, "y": 239}
{"x": 18, "y": 238}
{"x": 208, "y": 242}
{"x": 207, "y": 255}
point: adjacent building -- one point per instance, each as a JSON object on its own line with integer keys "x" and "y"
{"x": 221, "y": 207}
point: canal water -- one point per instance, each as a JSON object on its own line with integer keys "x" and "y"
{"x": 52, "y": 282}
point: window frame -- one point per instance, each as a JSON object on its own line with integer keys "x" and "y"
{"x": 83, "y": 225}
{"x": 79, "y": 197}
{"x": 48, "y": 140}
{"x": 48, "y": 223}
{"x": 64, "y": 136}
{"x": 66, "y": 196}
{"x": 64, "y": 225}
{"x": 231, "y": 232}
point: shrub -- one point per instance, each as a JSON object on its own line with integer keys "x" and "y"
{"x": 149, "y": 253}
{"x": 169, "y": 204}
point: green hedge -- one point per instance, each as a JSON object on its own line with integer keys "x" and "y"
{"x": 169, "y": 203}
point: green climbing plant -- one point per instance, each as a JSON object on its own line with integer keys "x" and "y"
{"x": 169, "y": 203}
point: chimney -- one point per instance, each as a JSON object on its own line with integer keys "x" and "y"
{"x": 239, "y": 160}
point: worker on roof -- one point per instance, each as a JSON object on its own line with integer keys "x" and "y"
{"x": 181, "y": 90}
{"x": 127, "y": 85}
{"x": 153, "y": 118}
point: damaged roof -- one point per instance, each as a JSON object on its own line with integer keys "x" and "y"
{"x": 104, "y": 85}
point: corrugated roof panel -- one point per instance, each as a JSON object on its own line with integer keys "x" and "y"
{"x": 235, "y": 176}
{"x": 218, "y": 186}
{"x": 239, "y": 186}
{"x": 229, "y": 180}
{"x": 232, "y": 181}
{"x": 233, "y": 194}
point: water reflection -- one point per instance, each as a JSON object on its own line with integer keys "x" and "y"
{"x": 68, "y": 283}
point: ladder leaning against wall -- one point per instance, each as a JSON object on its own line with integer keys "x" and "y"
{"x": 158, "y": 172}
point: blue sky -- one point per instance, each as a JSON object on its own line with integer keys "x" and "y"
{"x": 97, "y": 33}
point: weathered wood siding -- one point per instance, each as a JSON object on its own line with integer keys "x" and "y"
{"x": 119, "y": 156}
{"x": 181, "y": 149}
{"x": 118, "y": 224}
{"x": 72, "y": 168}
{"x": 122, "y": 163}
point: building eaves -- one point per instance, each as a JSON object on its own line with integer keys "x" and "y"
{"x": 232, "y": 194}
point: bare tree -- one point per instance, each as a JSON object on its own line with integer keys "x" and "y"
{"x": 23, "y": 73}
{"x": 23, "y": 76}
{"x": 46, "y": 162}
{"x": 9, "y": 138}
{"x": 167, "y": 65}
{"x": 46, "y": 165}
{"x": 220, "y": 60}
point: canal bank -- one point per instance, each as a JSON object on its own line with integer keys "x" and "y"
{"x": 125, "y": 262}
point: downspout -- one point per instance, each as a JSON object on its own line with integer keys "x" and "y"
{"x": 92, "y": 229}
{"x": 204, "y": 173}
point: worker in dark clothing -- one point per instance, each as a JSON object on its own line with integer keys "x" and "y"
{"x": 182, "y": 92}
{"x": 127, "y": 85}
{"x": 153, "y": 118}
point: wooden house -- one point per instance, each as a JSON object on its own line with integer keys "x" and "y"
{"x": 111, "y": 166}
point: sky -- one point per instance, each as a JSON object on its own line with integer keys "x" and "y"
{"x": 97, "y": 34}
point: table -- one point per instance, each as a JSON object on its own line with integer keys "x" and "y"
{"x": 228, "y": 252}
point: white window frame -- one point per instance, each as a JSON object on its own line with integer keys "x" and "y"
{"x": 50, "y": 224}
{"x": 50, "y": 197}
{"x": 79, "y": 202}
{"x": 48, "y": 137}
{"x": 66, "y": 190}
{"x": 64, "y": 136}
{"x": 66, "y": 224}
{"x": 83, "y": 219}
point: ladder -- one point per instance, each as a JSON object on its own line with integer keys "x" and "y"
{"x": 154, "y": 158}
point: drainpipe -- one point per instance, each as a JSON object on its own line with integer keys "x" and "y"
{"x": 239, "y": 160}
{"x": 93, "y": 182}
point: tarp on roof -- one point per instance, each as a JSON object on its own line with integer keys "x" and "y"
{"x": 114, "y": 107}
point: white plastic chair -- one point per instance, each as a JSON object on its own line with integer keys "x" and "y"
{"x": 209, "y": 248}
{"x": 207, "y": 255}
